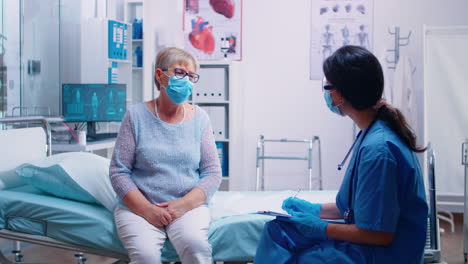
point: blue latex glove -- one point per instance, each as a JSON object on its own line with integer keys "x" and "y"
{"x": 294, "y": 205}
{"x": 310, "y": 226}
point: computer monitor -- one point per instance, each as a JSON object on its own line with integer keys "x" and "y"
{"x": 93, "y": 103}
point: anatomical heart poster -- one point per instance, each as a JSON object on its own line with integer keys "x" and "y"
{"x": 336, "y": 23}
{"x": 212, "y": 29}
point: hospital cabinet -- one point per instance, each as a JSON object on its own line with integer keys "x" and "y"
{"x": 96, "y": 50}
{"x": 147, "y": 23}
{"x": 217, "y": 93}
{"x": 133, "y": 15}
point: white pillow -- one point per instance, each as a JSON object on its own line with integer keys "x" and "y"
{"x": 9, "y": 179}
{"x": 80, "y": 176}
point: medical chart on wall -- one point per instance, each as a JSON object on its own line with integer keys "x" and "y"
{"x": 336, "y": 23}
{"x": 212, "y": 29}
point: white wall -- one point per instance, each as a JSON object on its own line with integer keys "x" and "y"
{"x": 279, "y": 100}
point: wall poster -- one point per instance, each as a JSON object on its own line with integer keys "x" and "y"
{"x": 336, "y": 23}
{"x": 212, "y": 29}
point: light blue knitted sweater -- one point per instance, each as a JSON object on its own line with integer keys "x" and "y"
{"x": 164, "y": 161}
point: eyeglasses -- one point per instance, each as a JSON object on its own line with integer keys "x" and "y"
{"x": 181, "y": 73}
{"x": 326, "y": 86}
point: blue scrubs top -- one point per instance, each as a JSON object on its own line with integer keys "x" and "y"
{"x": 388, "y": 195}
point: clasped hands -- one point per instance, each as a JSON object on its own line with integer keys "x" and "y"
{"x": 163, "y": 214}
{"x": 305, "y": 217}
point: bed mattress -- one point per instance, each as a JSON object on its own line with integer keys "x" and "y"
{"x": 234, "y": 230}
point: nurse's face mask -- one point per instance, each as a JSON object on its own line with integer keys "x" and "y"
{"x": 327, "y": 89}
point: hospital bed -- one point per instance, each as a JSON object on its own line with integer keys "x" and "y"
{"x": 29, "y": 215}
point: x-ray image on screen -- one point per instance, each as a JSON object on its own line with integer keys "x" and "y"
{"x": 93, "y": 102}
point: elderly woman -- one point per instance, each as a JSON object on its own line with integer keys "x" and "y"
{"x": 165, "y": 168}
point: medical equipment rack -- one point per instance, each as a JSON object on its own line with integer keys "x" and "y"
{"x": 465, "y": 212}
{"x": 261, "y": 157}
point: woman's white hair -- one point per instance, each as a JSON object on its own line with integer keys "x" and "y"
{"x": 172, "y": 55}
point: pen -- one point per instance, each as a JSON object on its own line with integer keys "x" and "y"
{"x": 298, "y": 190}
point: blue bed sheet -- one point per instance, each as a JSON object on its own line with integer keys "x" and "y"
{"x": 233, "y": 233}
{"x": 28, "y": 210}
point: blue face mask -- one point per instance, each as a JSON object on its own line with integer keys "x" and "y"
{"x": 179, "y": 89}
{"x": 329, "y": 100}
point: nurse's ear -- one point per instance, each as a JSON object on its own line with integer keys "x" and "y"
{"x": 337, "y": 97}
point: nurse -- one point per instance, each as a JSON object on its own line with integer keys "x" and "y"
{"x": 382, "y": 196}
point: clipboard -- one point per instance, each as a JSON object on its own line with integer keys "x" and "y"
{"x": 276, "y": 214}
{"x": 271, "y": 213}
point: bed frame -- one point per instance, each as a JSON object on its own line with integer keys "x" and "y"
{"x": 45, "y": 241}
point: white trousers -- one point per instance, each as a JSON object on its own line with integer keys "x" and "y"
{"x": 143, "y": 241}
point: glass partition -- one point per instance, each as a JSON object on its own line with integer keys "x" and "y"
{"x": 2, "y": 65}
{"x": 29, "y": 57}
{"x": 10, "y": 81}
{"x": 40, "y": 57}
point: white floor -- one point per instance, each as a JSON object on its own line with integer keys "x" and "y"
{"x": 47, "y": 255}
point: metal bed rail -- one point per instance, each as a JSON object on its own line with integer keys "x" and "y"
{"x": 464, "y": 158}
{"x": 261, "y": 157}
{"x": 35, "y": 111}
{"x": 45, "y": 121}
{"x": 46, "y": 241}
{"x": 432, "y": 247}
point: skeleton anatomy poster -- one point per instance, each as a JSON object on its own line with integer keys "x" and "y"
{"x": 335, "y": 23}
{"x": 212, "y": 29}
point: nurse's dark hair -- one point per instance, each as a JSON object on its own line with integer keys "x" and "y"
{"x": 357, "y": 74}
